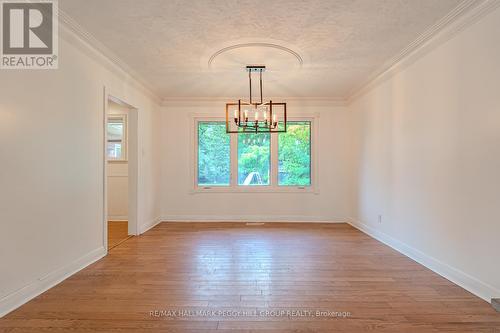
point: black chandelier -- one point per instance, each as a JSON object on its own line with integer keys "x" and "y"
{"x": 255, "y": 116}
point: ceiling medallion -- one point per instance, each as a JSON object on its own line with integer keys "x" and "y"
{"x": 255, "y": 116}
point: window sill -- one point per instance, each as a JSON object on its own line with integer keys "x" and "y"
{"x": 256, "y": 189}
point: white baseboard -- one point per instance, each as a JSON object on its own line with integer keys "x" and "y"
{"x": 117, "y": 218}
{"x": 145, "y": 227}
{"x": 253, "y": 218}
{"x": 469, "y": 283}
{"x": 17, "y": 298}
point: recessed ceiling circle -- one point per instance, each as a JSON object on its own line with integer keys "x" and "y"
{"x": 268, "y": 54}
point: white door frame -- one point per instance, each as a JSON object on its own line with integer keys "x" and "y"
{"x": 133, "y": 164}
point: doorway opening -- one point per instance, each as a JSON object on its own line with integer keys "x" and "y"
{"x": 121, "y": 122}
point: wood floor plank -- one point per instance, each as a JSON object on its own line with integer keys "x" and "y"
{"x": 232, "y": 277}
{"x": 117, "y": 233}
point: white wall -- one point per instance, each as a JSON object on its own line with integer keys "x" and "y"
{"x": 333, "y": 203}
{"x": 117, "y": 173}
{"x": 428, "y": 146}
{"x": 117, "y": 191}
{"x": 51, "y": 167}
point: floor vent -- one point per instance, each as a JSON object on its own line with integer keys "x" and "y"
{"x": 495, "y": 302}
{"x": 253, "y": 224}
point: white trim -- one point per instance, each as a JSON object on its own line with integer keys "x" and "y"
{"x": 104, "y": 156}
{"x": 469, "y": 283}
{"x": 117, "y": 175}
{"x": 19, "y": 297}
{"x": 464, "y": 15}
{"x": 133, "y": 174}
{"x": 117, "y": 162}
{"x": 75, "y": 34}
{"x": 221, "y": 101}
{"x": 214, "y": 50}
{"x": 273, "y": 187}
{"x": 117, "y": 218}
{"x": 232, "y": 46}
{"x": 254, "y": 189}
{"x": 145, "y": 227}
{"x": 254, "y": 218}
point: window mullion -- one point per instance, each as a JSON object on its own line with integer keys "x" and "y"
{"x": 234, "y": 160}
{"x": 274, "y": 160}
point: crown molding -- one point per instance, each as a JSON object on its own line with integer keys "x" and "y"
{"x": 464, "y": 15}
{"x": 190, "y": 101}
{"x": 74, "y": 33}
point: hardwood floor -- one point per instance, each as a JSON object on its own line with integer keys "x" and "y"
{"x": 117, "y": 233}
{"x": 254, "y": 269}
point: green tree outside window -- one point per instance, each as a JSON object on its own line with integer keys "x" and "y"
{"x": 294, "y": 154}
{"x": 254, "y": 157}
{"x": 214, "y": 163}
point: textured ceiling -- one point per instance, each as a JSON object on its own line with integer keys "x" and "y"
{"x": 198, "y": 48}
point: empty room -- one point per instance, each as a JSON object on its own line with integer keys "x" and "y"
{"x": 250, "y": 166}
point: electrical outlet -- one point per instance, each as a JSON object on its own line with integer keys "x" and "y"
{"x": 380, "y": 219}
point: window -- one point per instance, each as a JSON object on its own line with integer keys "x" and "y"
{"x": 254, "y": 161}
{"x": 116, "y": 146}
{"x": 213, "y": 154}
{"x": 294, "y": 155}
{"x": 254, "y": 158}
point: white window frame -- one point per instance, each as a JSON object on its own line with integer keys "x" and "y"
{"x": 273, "y": 187}
{"x": 123, "y": 118}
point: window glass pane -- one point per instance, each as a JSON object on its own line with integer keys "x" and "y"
{"x": 114, "y": 150}
{"x": 115, "y": 130}
{"x": 213, "y": 154}
{"x": 294, "y": 154}
{"x": 254, "y": 152}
